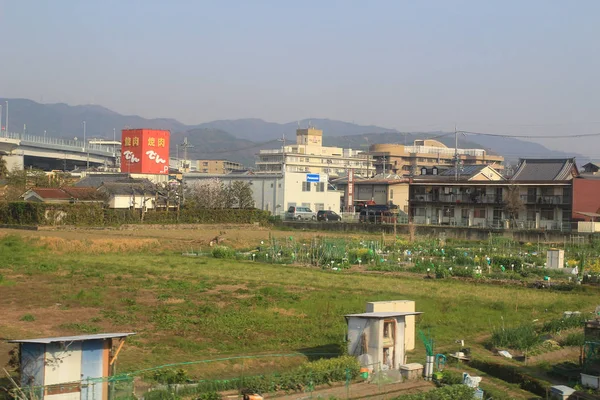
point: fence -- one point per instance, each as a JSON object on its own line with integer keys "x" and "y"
{"x": 340, "y": 377}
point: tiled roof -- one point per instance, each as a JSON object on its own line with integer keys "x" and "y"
{"x": 67, "y": 193}
{"x": 96, "y": 180}
{"x": 120, "y": 188}
{"x": 82, "y": 193}
{"x": 467, "y": 170}
{"x": 51, "y": 193}
{"x": 544, "y": 169}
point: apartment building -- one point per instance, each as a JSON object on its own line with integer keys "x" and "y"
{"x": 537, "y": 196}
{"x": 217, "y": 166}
{"x": 308, "y": 155}
{"x": 409, "y": 160}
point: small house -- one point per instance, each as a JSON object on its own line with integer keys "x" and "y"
{"x": 69, "y": 367}
{"x": 66, "y": 194}
{"x": 130, "y": 195}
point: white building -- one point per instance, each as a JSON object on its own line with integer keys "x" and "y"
{"x": 277, "y": 192}
{"x": 309, "y": 155}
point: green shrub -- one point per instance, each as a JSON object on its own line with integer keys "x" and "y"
{"x": 521, "y": 337}
{"x": 27, "y": 318}
{"x": 451, "y": 392}
{"x": 572, "y": 339}
{"x": 223, "y": 252}
{"x": 557, "y": 325}
{"x": 209, "y": 396}
{"x": 170, "y": 376}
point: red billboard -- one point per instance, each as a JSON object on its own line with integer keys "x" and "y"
{"x": 145, "y": 151}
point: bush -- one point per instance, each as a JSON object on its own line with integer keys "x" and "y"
{"x": 572, "y": 339}
{"x": 27, "y": 318}
{"x": 170, "y": 376}
{"x": 519, "y": 338}
{"x": 26, "y": 213}
{"x": 452, "y": 392}
{"x": 223, "y": 252}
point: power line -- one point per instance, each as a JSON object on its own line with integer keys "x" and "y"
{"x": 532, "y": 136}
{"x": 238, "y": 149}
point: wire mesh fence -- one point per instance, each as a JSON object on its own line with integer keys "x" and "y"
{"x": 340, "y": 377}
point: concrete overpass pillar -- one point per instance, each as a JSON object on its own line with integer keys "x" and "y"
{"x": 14, "y": 161}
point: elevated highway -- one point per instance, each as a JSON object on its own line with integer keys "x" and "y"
{"x": 50, "y": 153}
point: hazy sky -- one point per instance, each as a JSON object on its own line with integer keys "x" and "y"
{"x": 519, "y": 66}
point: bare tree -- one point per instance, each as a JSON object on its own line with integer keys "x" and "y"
{"x": 241, "y": 194}
{"x": 209, "y": 193}
{"x": 513, "y": 203}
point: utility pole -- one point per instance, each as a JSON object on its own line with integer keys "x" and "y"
{"x": 84, "y": 134}
{"x": 185, "y": 146}
{"x": 455, "y": 153}
{"x": 6, "y": 116}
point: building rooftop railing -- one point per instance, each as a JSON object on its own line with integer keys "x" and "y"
{"x": 444, "y": 150}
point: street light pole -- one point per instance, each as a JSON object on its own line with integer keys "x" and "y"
{"x": 7, "y": 116}
{"x": 84, "y": 134}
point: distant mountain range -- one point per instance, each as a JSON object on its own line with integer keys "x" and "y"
{"x": 240, "y": 139}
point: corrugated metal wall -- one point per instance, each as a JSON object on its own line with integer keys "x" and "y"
{"x": 92, "y": 367}
{"x": 32, "y": 365}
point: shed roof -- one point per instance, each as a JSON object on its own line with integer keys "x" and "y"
{"x": 73, "y": 338}
{"x": 384, "y": 314}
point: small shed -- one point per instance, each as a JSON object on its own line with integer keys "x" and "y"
{"x": 377, "y": 338}
{"x": 69, "y": 367}
{"x": 555, "y": 258}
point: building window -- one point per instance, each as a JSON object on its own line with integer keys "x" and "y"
{"x": 479, "y": 213}
{"x": 205, "y": 164}
{"x": 419, "y": 212}
{"x": 319, "y": 206}
{"x": 271, "y": 184}
{"x": 530, "y": 215}
{"x": 320, "y": 186}
{"x": 448, "y": 212}
{"x": 306, "y": 186}
{"x": 547, "y": 214}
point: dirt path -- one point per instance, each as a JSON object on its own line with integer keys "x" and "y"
{"x": 364, "y": 391}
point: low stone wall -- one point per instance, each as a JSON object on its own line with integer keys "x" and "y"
{"x": 453, "y": 232}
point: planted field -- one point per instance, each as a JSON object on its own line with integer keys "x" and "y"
{"x": 194, "y": 308}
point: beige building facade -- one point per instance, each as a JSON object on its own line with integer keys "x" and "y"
{"x": 308, "y": 155}
{"x": 409, "y": 160}
{"x": 217, "y": 166}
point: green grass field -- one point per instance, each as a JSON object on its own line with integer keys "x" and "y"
{"x": 193, "y": 308}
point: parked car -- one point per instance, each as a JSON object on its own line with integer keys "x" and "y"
{"x": 381, "y": 214}
{"x": 328, "y": 215}
{"x": 300, "y": 213}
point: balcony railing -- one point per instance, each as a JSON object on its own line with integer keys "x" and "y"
{"x": 549, "y": 200}
{"x": 458, "y": 198}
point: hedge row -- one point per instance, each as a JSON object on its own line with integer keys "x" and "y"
{"x": 301, "y": 379}
{"x": 26, "y": 213}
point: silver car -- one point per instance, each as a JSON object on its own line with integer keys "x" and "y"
{"x": 300, "y": 213}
